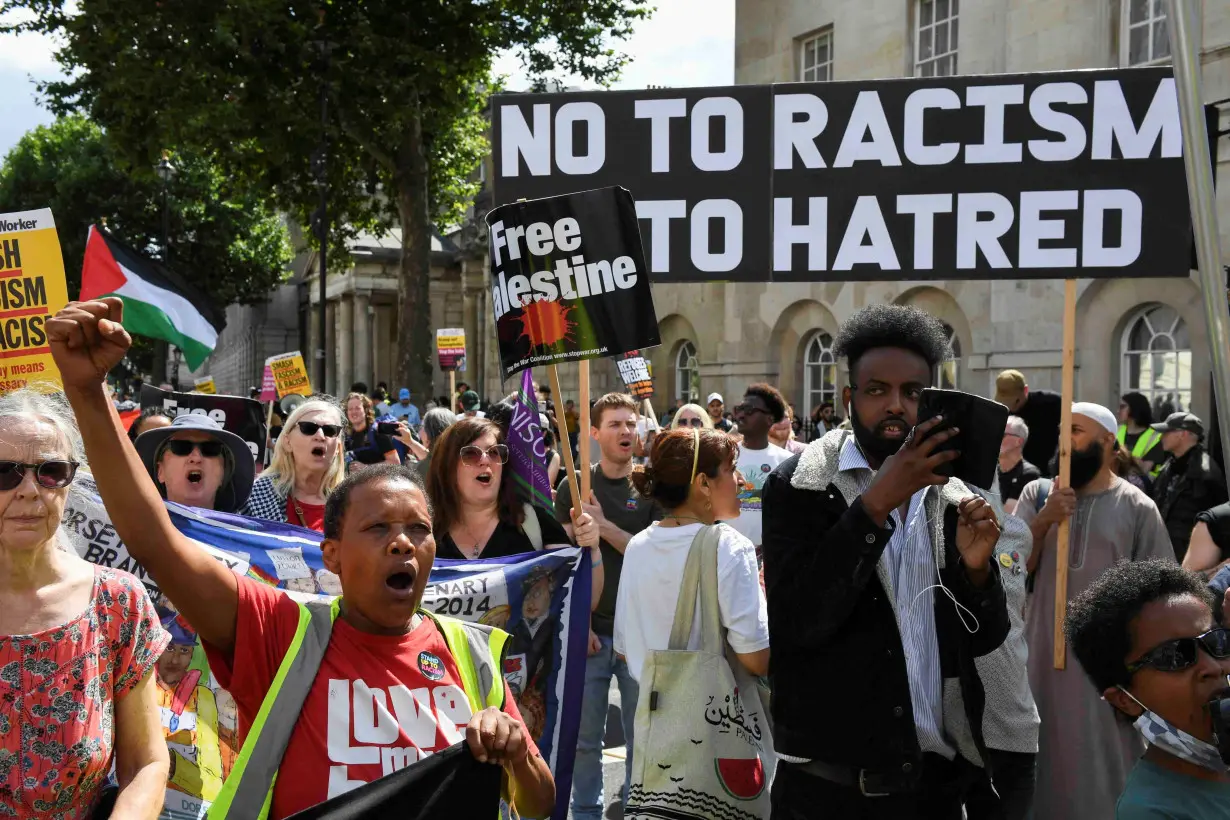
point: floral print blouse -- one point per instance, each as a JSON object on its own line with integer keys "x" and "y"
{"x": 58, "y": 690}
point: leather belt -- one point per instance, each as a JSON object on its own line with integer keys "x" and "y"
{"x": 868, "y": 783}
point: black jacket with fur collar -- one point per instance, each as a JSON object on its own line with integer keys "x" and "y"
{"x": 840, "y": 691}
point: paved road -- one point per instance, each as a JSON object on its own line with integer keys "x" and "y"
{"x": 613, "y": 760}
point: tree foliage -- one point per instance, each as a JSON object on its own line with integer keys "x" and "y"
{"x": 407, "y": 87}
{"x": 224, "y": 239}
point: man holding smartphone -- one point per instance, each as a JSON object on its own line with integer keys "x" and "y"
{"x": 878, "y": 565}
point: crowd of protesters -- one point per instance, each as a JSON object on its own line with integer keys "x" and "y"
{"x": 902, "y": 620}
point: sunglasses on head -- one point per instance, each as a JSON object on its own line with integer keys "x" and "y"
{"x": 692, "y": 422}
{"x": 473, "y": 456}
{"x": 309, "y": 428}
{"x": 183, "y": 447}
{"x": 52, "y": 475}
{"x": 1182, "y": 653}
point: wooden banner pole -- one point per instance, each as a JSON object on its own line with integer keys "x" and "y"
{"x": 583, "y": 432}
{"x": 452, "y": 391}
{"x": 1065, "y": 460}
{"x": 562, "y": 424}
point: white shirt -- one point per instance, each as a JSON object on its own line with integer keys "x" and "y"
{"x": 649, "y": 593}
{"x": 755, "y": 465}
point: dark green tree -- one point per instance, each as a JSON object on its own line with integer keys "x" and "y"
{"x": 224, "y": 239}
{"x": 407, "y": 87}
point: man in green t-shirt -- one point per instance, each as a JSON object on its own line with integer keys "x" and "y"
{"x": 621, "y": 513}
{"x": 1145, "y": 635}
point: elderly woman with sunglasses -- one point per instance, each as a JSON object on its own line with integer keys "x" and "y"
{"x": 477, "y": 514}
{"x": 692, "y": 415}
{"x": 308, "y": 463}
{"x": 78, "y": 643}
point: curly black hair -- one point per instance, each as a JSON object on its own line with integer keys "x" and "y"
{"x": 772, "y": 398}
{"x": 901, "y": 326}
{"x": 1098, "y": 623}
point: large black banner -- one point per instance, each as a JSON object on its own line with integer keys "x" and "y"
{"x": 568, "y": 280}
{"x": 1045, "y": 175}
{"x": 243, "y": 417}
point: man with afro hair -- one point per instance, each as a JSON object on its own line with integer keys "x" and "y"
{"x": 877, "y": 703}
{"x": 1144, "y": 634}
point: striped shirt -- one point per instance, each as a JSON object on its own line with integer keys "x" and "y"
{"x": 909, "y": 559}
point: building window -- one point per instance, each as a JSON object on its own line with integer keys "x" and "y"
{"x": 687, "y": 374}
{"x": 1145, "y": 36}
{"x": 816, "y": 58}
{"x": 1157, "y": 359}
{"x": 819, "y": 372}
{"x": 948, "y": 375}
{"x": 935, "y": 46}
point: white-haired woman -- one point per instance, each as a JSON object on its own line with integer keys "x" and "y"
{"x": 308, "y": 463}
{"x": 692, "y": 415}
{"x": 78, "y": 643}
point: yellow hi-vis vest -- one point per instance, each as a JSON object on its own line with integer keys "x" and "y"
{"x": 1143, "y": 445}
{"x": 247, "y": 793}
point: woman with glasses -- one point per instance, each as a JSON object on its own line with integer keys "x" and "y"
{"x": 307, "y": 464}
{"x": 692, "y": 416}
{"x": 477, "y": 514}
{"x": 363, "y": 440}
{"x": 78, "y": 643}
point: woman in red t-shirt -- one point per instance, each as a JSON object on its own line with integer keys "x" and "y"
{"x": 308, "y": 463}
{"x": 387, "y": 692}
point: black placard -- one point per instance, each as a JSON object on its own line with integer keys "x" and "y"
{"x": 1044, "y": 175}
{"x": 243, "y": 417}
{"x": 637, "y": 374}
{"x": 568, "y": 279}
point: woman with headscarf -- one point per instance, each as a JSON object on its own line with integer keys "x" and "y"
{"x": 307, "y": 465}
{"x": 78, "y": 643}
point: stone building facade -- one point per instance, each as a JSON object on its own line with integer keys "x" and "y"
{"x": 1146, "y": 334}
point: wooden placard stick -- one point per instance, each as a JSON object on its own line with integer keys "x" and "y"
{"x": 1065, "y": 461}
{"x": 562, "y": 424}
{"x": 583, "y": 432}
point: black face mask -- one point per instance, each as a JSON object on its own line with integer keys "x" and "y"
{"x": 874, "y": 446}
{"x": 1085, "y": 465}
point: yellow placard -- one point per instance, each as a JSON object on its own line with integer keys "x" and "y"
{"x": 290, "y": 374}
{"x": 205, "y": 384}
{"x": 32, "y": 290}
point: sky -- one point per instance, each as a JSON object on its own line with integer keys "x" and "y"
{"x": 685, "y": 43}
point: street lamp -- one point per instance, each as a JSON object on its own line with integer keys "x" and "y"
{"x": 322, "y": 50}
{"x": 166, "y": 172}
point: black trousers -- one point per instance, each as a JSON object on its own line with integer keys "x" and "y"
{"x": 1015, "y": 776}
{"x": 944, "y": 784}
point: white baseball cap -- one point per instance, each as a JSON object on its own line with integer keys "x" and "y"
{"x": 714, "y": 397}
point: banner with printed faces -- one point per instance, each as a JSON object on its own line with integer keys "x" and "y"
{"x": 243, "y": 417}
{"x": 32, "y": 290}
{"x": 568, "y": 280}
{"x": 1014, "y": 176}
{"x": 451, "y": 348}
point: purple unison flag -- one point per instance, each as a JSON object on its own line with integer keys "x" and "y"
{"x": 527, "y": 452}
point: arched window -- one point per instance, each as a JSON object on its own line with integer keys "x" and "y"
{"x": 947, "y": 377}
{"x": 1157, "y": 359}
{"x": 687, "y": 374}
{"x": 819, "y": 372}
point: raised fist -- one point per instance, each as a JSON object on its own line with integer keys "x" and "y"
{"x": 87, "y": 339}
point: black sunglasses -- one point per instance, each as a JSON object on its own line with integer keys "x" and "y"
{"x": 183, "y": 447}
{"x": 692, "y": 422}
{"x": 473, "y": 456}
{"x": 750, "y": 408}
{"x": 1181, "y": 653}
{"x": 53, "y": 475}
{"x": 309, "y": 428}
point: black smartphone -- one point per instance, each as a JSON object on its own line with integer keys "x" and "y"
{"x": 981, "y": 422}
{"x": 386, "y": 428}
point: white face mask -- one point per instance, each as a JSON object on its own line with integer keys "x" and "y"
{"x": 1162, "y": 734}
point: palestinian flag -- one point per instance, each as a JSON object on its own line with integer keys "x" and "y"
{"x": 157, "y": 302}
